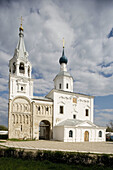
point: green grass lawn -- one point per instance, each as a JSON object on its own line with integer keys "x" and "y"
{"x": 19, "y": 164}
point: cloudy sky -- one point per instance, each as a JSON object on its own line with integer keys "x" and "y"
{"x": 84, "y": 24}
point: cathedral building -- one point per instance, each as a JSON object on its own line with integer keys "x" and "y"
{"x": 61, "y": 115}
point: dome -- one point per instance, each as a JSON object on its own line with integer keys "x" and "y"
{"x": 63, "y": 59}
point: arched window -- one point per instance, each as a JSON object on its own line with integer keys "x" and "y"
{"x": 74, "y": 116}
{"x": 28, "y": 71}
{"x": 21, "y": 127}
{"x": 60, "y": 86}
{"x": 21, "y": 68}
{"x": 87, "y": 112}
{"x": 67, "y": 86}
{"x": 38, "y": 108}
{"x": 14, "y": 67}
{"x": 22, "y": 88}
{"x": 70, "y": 133}
{"x": 61, "y": 109}
{"x": 47, "y": 109}
{"x": 100, "y": 133}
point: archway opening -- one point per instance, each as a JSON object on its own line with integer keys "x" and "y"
{"x": 86, "y": 136}
{"x": 21, "y": 68}
{"x": 44, "y": 130}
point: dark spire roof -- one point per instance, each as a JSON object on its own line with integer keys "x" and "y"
{"x": 63, "y": 59}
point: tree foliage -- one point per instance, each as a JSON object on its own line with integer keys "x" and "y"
{"x": 2, "y": 127}
{"x": 110, "y": 126}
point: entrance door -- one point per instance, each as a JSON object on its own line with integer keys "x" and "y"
{"x": 86, "y": 136}
{"x": 44, "y": 130}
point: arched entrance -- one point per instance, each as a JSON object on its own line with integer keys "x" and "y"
{"x": 44, "y": 130}
{"x": 86, "y": 136}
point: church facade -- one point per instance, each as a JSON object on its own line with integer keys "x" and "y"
{"x": 61, "y": 115}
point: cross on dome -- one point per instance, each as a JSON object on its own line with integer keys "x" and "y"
{"x": 21, "y": 28}
{"x": 63, "y": 42}
{"x": 63, "y": 59}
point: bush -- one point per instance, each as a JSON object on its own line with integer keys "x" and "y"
{"x": 60, "y": 157}
{"x": 3, "y": 136}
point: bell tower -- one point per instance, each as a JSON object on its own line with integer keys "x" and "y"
{"x": 63, "y": 80}
{"x": 20, "y": 82}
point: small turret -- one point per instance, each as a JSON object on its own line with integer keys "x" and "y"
{"x": 63, "y": 80}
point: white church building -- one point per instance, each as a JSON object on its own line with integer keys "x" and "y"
{"x": 61, "y": 115}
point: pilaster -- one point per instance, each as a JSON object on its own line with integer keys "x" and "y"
{"x": 9, "y": 119}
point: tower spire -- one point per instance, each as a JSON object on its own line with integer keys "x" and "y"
{"x": 20, "y": 51}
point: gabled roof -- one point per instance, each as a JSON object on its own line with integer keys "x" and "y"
{"x": 67, "y": 92}
{"x": 77, "y": 123}
{"x": 42, "y": 99}
{"x": 70, "y": 122}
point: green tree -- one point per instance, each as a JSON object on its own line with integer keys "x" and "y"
{"x": 110, "y": 126}
{"x": 2, "y": 127}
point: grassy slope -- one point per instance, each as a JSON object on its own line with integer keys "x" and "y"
{"x": 19, "y": 164}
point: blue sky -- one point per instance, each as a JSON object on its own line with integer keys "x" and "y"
{"x": 84, "y": 25}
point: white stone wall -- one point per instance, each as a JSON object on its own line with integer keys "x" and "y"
{"x": 78, "y": 134}
{"x": 42, "y": 114}
{"x": 63, "y": 80}
{"x": 15, "y": 84}
{"x": 20, "y": 118}
{"x": 66, "y": 135}
{"x": 71, "y": 108}
{"x": 58, "y": 133}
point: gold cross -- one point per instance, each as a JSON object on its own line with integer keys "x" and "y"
{"x": 21, "y": 28}
{"x": 63, "y": 42}
{"x": 21, "y": 19}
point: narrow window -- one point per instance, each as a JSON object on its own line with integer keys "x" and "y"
{"x": 14, "y": 67}
{"x": 29, "y": 71}
{"x": 46, "y": 108}
{"x": 70, "y": 133}
{"x": 21, "y": 128}
{"x": 16, "y": 118}
{"x": 67, "y": 85}
{"x": 61, "y": 109}
{"x": 27, "y": 119}
{"x": 22, "y": 88}
{"x": 60, "y": 86}
{"x": 87, "y": 112}
{"x": 100, "y": 133}
{"x": 39, "y": 108}
{"x": 74, "y": 116}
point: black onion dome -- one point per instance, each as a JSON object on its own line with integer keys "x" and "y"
{"x": 63, "y": 59}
